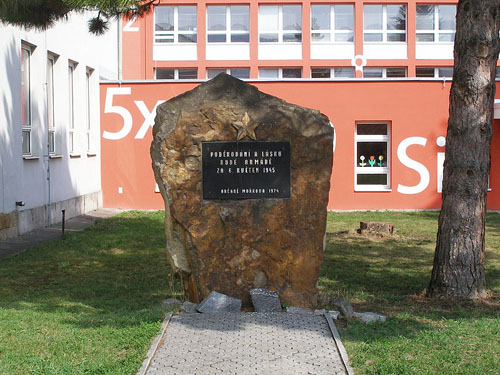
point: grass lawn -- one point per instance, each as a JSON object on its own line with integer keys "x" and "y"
{"x": 91, "y": 304}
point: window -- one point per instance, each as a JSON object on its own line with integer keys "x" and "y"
{"x": 228, "y": 24}
{"x": 384, "y": 72}
{"x": 372, "y": 157}
{"x": 280, "y": 73}
{"x": 436, "y": 23}
{"x": 51, "y": 125}
{"x": 332, "y": 23}
{"x": 88, "y": 103}
{"x": 430, "y": 72}
{"x": 175, "y": 24}
{"x": 71, "y": 106}
{"x": 280, "y": 23}
{"x": 26, "y": 98}
{"x": 241, "y": 73}
{"x": 384, "y": 23}
{"x": 170, "y": 73}
{"x": 332, "y": 72}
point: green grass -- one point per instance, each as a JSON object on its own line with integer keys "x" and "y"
{"x": 88, "y": 304}
{"x": 91, "y": 304}
{"x": 389, "y": 275}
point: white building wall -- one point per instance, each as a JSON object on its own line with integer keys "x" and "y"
{"x": 75, "y": 182}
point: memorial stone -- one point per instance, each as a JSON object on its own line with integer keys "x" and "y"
{"x": 245, "y": 178}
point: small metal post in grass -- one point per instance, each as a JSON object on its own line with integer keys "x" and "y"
{"x": 63, "y": 221}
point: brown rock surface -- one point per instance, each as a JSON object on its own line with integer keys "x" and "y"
{"x": 232, "y": 246}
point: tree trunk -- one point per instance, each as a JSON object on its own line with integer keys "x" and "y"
{"x": 458, "y": 270}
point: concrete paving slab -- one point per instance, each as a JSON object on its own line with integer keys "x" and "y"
{"x": 246, "y": 343}
{"x": 18, "y": 245}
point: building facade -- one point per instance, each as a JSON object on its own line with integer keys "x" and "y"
{"x": 50, "y": 121}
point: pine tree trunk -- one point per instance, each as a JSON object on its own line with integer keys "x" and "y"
{"x": 458, "y": 270}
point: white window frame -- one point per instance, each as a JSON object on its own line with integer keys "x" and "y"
{"x": 228, "y": 31}
{"x": 280, "y": 72}
{"x": 332, "y": 72}
{"x": 228, "y": 71}
{"x": 280, "y": 32}
{"x": 384, "y": 31}
{"x": 332, "y": 31}
{"x": 26, "y": 95}
{"x": 372, "y": 170}
{"x": 174, "y": 34}
{"x": 71, "y": 107}
{"x": 176, "y": 73}
{"x": 384, "y": 71}
{"x": 436, "y": 71}
{"x": 436, "y": 31}
{"x": 88, "y": 109}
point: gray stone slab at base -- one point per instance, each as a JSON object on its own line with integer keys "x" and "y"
{"x": 248, "y": 343}
{"x": 265, "y": 300}
{"x": 219, "y": 303}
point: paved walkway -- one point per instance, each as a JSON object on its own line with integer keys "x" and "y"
{"x": 18, "y": 245}
{"x": 247, "y": 343}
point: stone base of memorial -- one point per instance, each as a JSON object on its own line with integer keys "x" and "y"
{"x": 245, "y": 178}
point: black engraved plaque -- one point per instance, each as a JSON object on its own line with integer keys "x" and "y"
{"x": 246, "y": 170}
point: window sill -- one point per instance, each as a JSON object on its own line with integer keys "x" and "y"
{"x": 31, "y": 157}
{"x": 372, "y": 189}
{"x": 91, "y": 154}
{"x": 55, "y": 156}
{"x": 75, "y": 156}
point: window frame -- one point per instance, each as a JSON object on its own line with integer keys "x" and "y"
{"x": 280, "y": 73}
{"x": 176, "y": 72}
{"x": 88, "y": 91}
{"x": 332, "y": 72}
{"x": 358, "y": 170}
{"x": 228, "y": 71}
{"x": 436, "y": 70}
{"x": 385, "y": 31}
{"x": 384, "y": 72}
{"x": 436, "y": 31}
{"x": 26, "y": 118}
{"x": 71, "y": 106}
{"x": 163, "y": 34}
{"x": 228, "y": 32}
{"x": 50, "y": 101}
{"x": 280, "y": 31}
{"x": 333, "y": 32}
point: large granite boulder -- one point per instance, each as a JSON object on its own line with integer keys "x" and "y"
{"x": 234, "y": 245}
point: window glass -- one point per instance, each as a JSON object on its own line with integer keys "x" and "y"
{"x": 320, "y": 73}
{"x": 425, "y": 72}
{"x": 292, "y": 73}
{"x": 242, "y": 73}
{"x": 188, "y": 73}
{"x": 187, "y": 18}
{"x": 372, "y": 17}
{"x": 371, "y": 154}
{"x": 164, "y": 18}
{"x": 25, "y": 87}
{"x": 371, "y": 179}
{"x": 52, "y": 143}
{"x": 447, "y": 17}
{"x": 395, "y": 72}
{"x": 268, "y": 73}
{"x": 216, "y": 18}
{"x": 240, "y": 18}
{"x": 344, "y": 17}
{"x": 372, "y": 73}
{"x": 372, "y": 129}
{"x": 425, "y": 17}
{"x": 268, "y": 17}
{"x": 396, "y": 17}
{"x": 212, "y": 73}
{"x": 445, "y": 72}
{"x": 50, "y": 92}
{"x": 320, "y": 17}
{"x": 26, "y": 142}
{"x": 292, "y": 17}
{"x": 165, "y": 74}
{"x": 344, "y": 72}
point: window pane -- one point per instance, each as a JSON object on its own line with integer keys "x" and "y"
{"x": 164, "y": 18}
{"x": 445, "y": 72}
{"x": 26, "y": 142}
{"x": 211, "y": 73}
{"x": 268, "y": 73}
{"x": 165, "y": 74}
{"x": 240, "y": 18}
{"x": 393, "y": 37}
{"x": 344, "y": 72}
{"x": 292, "y": 38}
{"x": 497, "y": 73}
{"x": 372, "y": 72}
{"x": 371, "y": 154}
{"x": 268, "y": 17}
{"x": 242, "y": 73}
{"x": 447, "y": 17}
{"x": 320, "y": 37}
{"x": 292, "y": 17}
{"x": 371, "y": 179}
{"x": 268, "y": 38}
{"x": 320, "y": 72}
{"x": 344, "y": 37}
{"x": 187, "y": 18}
{"x": 70, "y": 97}
{"x": 371, "y": 129}
{"x": 169, "y": 38}
{"x": 373, "y": 37}
{"x": 216, "y": 38}
{"x": 188, "y": 73}
{"x": 240, "y": 38}
{"x": 52, "y": 142}
{"x": 50, "y": 92}
{"x": 344, "y": 17}
{"x": 446, "y": 37}
{"x": 396, "y": 17}
{"x": 372, "y": 17}
{"x": 425, "y": 17}
{"x": 320, "y": 17}
{"x": 396, "y": 72}
{"x": 216, "y": 18}
{"x": 292, "y": 73}
{"x": 424, "y": 72}
{"x": 425, "y": 37}
{"x": 25, "y": 87}
{"x": 187, "y": 38}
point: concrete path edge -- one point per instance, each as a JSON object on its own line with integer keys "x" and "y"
{"x": 340, "y": 346}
